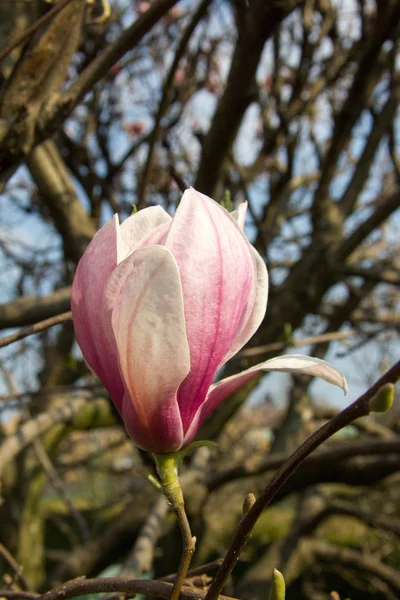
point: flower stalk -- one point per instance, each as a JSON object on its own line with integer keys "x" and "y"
{"x": 167, "y": 470}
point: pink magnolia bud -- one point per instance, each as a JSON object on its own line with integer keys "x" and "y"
{"x": 135, "y": 128}
{"x": 175, "y": 13}
{"x": 115, "y": 70}
{"x": 159, "y": 304}
{"x": 142, "y": 7}
{"x": 179, "y": 76}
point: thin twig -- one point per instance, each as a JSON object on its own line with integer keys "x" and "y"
{"x": 126, "y": 41}
{"x": 94, "y": 387}
{"x": 14, "y": 566}
{"x": 334, "y": 454}
{"x": 82, "y": 586}
{"x": 201, "y": 570}
{"x": 140, "y": 559}
{"x": 59, "y": 487}
{"x": 36, "y": 328}
{"x": 201, "y": 11}
{"x": 187, "y": 550}
{"x": 30, "y": 30}
{"x": 36, "y": 427}
{"x": 314, "y": 339}
{"x": 357, "y": 409}
{"x": 18, "y": 595}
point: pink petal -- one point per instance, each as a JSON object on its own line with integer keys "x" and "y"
{"x": 94, "y": 268}
{"x": 144, "y": 302}
{"x": 257, "y": 313}
{"x": 289, "y": 363}
{"x": 217, "y": 272}
{"x": 139, "y": 226}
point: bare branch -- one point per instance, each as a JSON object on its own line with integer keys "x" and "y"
{"x": 140, "y": 559}
{"x": 31, "y": 30}
{"x": 261, "y": 20}
{"x": 314, "y": 339}
{"x": 60, "y": 488}
{"x": 36, "y": 328}
{"x": 16, "y": 569}
{"x": 200, "y": 13}
{"x": 31, "y": 309}
{"x": 82, "y": 586}
{"x": 34, "y": 428}
{"x": 381, "y": 213}
{"x": 54, "y": 183}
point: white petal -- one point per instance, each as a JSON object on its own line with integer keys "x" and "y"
{"x": 240, "y": 214}
{"x": 147, "y": 319}
{"x": 134, "y": 228}
{"x": 289, "y": 363}
{"x": 306, "y": 365}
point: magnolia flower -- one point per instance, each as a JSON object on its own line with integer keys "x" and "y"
{"x": 159, "y": 304}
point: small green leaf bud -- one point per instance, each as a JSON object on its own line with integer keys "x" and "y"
{"x": 288, "y": 333}
{"x": 247, "y": 504}
{"x": 278, "y": 587}
{"x": 383, "y": 399}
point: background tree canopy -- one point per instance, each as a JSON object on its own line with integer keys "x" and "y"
{"x": 290, "y": 105}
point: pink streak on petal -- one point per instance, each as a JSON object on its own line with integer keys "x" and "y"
{"x": 94, "y": 268}
{"x": 217, "y": 273}
{"x": 258, "y": 310}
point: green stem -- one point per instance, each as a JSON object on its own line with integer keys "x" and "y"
{"x": 187, "y": 551}
{"x": 168, "y": 474}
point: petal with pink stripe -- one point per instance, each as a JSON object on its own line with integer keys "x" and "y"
{"x": 217, "y": 271}
{"x": 93, "y": 271}
{"x": 147, "y": 319}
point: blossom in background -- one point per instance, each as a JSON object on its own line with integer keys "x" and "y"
{"x": 159, "y": 304}
{"x": 142, "y": 7}
{"x": 135, "y": 128}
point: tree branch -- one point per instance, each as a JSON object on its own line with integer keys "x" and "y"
{"x": 36, "y": 328}
{"x": 381, "y": 213}
{"x": 200, "y": 13}
{"x": 260, "y": 21}
{"x": 81, "y": 586}
{"x": 31, "y": 309}
{"x": 34, "y": 27}
{"x": 65, "y": 413}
